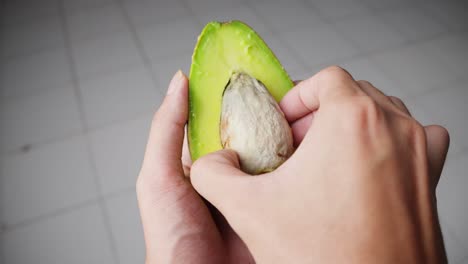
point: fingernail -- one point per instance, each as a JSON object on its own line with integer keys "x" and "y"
{"x": 175, "y": 82}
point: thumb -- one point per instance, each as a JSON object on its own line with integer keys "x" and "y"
{"x": 218, "y": 178}
{"x": 437, "y": 146}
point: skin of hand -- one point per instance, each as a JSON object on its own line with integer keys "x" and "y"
{"x": 360, "y": 187}
{"x": 179, "y": 226}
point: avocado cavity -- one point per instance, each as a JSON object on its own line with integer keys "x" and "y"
{"x": 253, "y": 125}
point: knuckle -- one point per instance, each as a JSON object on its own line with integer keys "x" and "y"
{"x": 365, "y": 83}
{"x": 373, "y": 108}
{"x": 444, "y": 133}
{"x": 195, "y": 167}
{"x": 142, "y": 181}
{"x": 158, "y": 179}
{"x": 396, "y": 100}
{"x": 198, "y": 166}
{"x": 142, "y": 185}
{"x": 333, "y": 72}
{"x": 417, "y": 130}
{"x": 161, "y": 113}
{"x": 156, "y": 117}
{"x": 362, "y": 112}
{"x": 364, "y": 106}
{"x": 138, "y": 183}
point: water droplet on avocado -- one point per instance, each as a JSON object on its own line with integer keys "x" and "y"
{"x": 247, "y": 50}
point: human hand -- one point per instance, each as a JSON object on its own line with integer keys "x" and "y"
{"x": 360, "y": 187}
{"x": 179, "y": 227}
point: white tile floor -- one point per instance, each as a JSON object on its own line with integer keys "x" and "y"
{"x": 79, "y": 81}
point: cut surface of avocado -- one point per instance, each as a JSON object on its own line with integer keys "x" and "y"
{"x": 224, "y": 49}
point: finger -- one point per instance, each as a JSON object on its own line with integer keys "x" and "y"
{"x": 399, "y": 103}
{"x": 438, "y": 140}
{"x": 300, "y": 128}
{"x": 296, "y": 82}
{"x": 171, "y": 210}
{"x": 374, "y": 93}
{"x": 237, "y": 250}
{"x": 307, "y": 95}
{"x": 186, "y": 158}
{"x": 165, "y": 141}
{"x": 218, "y": 178}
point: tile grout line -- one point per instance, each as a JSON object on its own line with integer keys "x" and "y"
{"x": 405, "y": 44}
{"x": 359, "y": 54}
{"x": 331, "y": 24}
{"x": 120, "y": 192}
{"x": 78, "y": 96}
{"x": 43, "y": 217}
{"x": 2, "y": 105}
{"x": 33, "y": 52}
{"x": 372, "y": 11}
{"x": 377, "y": 11}
{"x": 272, "y": 29}
{"x": 88, "y": 77}
{"x": 65, "y": 210}
{"x": 2, "y": 44}
{"x": 368, "y": 54}
{"x": 18, "y": 151}
{"x": 326, "y": 22}
{"x": 2, "y": 224}
{"x": 124, "y": 191}
{"x": 410, "y": 43}
{"x": 87, "y": 8}
{"x": 410, "y": 96}
{"x": 191, "y": 12}
{"x": 139, "y": 45}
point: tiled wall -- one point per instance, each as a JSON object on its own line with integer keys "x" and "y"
{"x": 80, "y": 80}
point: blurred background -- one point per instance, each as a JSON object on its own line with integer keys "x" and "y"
{"x": 80, "y": 80}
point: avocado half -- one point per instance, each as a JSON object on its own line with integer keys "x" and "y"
{"x": 222, "y": 50}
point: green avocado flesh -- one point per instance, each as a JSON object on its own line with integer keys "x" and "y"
{"x": 223, "y": 49}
